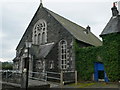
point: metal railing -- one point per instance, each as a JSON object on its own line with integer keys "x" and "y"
{"x": 38, "y": 76}
{"x": 12, "y": 76}
{"x": 63, "y": 76}
{"x": 55, "y": 76}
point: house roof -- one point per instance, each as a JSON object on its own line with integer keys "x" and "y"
{"x": 34, "y": 50}
{"x": 113, "y": 26}
{"x": 42, "y": 50}
{"x": 45, "y": 49}
{"x": 77, "y": 31}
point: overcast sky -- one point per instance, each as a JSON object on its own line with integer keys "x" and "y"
{"x": 15, "y": 16}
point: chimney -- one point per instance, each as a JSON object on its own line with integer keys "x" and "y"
{"x": 115, "y": 12}
{"x": 88, "y": 28}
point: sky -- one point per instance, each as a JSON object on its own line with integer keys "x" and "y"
{"x": 15, "y": 16}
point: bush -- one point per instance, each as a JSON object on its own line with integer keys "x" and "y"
{"x": 7, "y": 66}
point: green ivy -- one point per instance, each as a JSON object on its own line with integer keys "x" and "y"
{"x": 109, "y": 54}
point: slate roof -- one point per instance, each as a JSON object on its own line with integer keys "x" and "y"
{"x": 76, "y": 30}
{"x": 35, "y": 50}
{"x": 42, "y": 50}
{"x": 113, "y": 26}
{"x": 45, "y": 49}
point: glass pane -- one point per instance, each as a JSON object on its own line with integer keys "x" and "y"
{"x": 62, "y": 51}
{"x": 43, "y": 38}
{"x": 62, "y": 66}
{"x": 65, "y": 56}
{"x": 43, "y": 29}
{"x": 62, "y": 61}
{"x": 39, "y": 39}
{"x": 62, "y": 56}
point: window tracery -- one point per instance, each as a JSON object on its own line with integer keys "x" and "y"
{"x": 40, "y": 32}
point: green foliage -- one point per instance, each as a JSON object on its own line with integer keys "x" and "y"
{"x": 7, "y": 66}
{"x": 112, "y": 56}
{"x": 109, "y": 54}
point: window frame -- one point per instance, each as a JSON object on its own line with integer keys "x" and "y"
{"x": 63, "y": 54}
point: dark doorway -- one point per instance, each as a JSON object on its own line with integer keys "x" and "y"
{"x": 99, "y": 72}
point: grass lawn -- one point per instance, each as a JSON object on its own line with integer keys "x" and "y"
{"x": 93, "y": 85}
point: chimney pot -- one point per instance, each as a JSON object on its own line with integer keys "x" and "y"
{"x": 88, "y": 28}
{"x": 115, "y": 12}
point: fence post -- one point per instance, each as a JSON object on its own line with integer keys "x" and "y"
{"x": 45, "y": 76}
{"x": 23, "y": 79}
{"x": 7, "y": 75}
{"x": 76, "y": 77}
{"x": 61, "y": 78}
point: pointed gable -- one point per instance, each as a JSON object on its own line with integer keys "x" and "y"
{"x": 28, "y": 32}
{"x": 113, "y": 26}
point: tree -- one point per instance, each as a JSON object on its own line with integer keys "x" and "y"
{"x": 7, "y": 65}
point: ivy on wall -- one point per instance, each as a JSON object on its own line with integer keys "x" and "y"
{"x": 112, "y": 56}
{"x": 109, "y": 54}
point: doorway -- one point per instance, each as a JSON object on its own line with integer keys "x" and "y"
{"x": 99, "y": 72}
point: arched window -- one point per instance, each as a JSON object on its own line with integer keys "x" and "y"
{"x": 63, "y": 54}
{"x": 39, "y": 65}
{"x": 40, "y": 30}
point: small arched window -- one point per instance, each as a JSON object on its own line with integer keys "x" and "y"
{"x": 63, "y": 54}
{"x": 39, "y": 65}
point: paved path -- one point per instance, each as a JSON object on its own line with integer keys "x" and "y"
{"x": 38, "y": 83}
{"x": 12, "y": 84}
{"x": 33, "y": 83}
